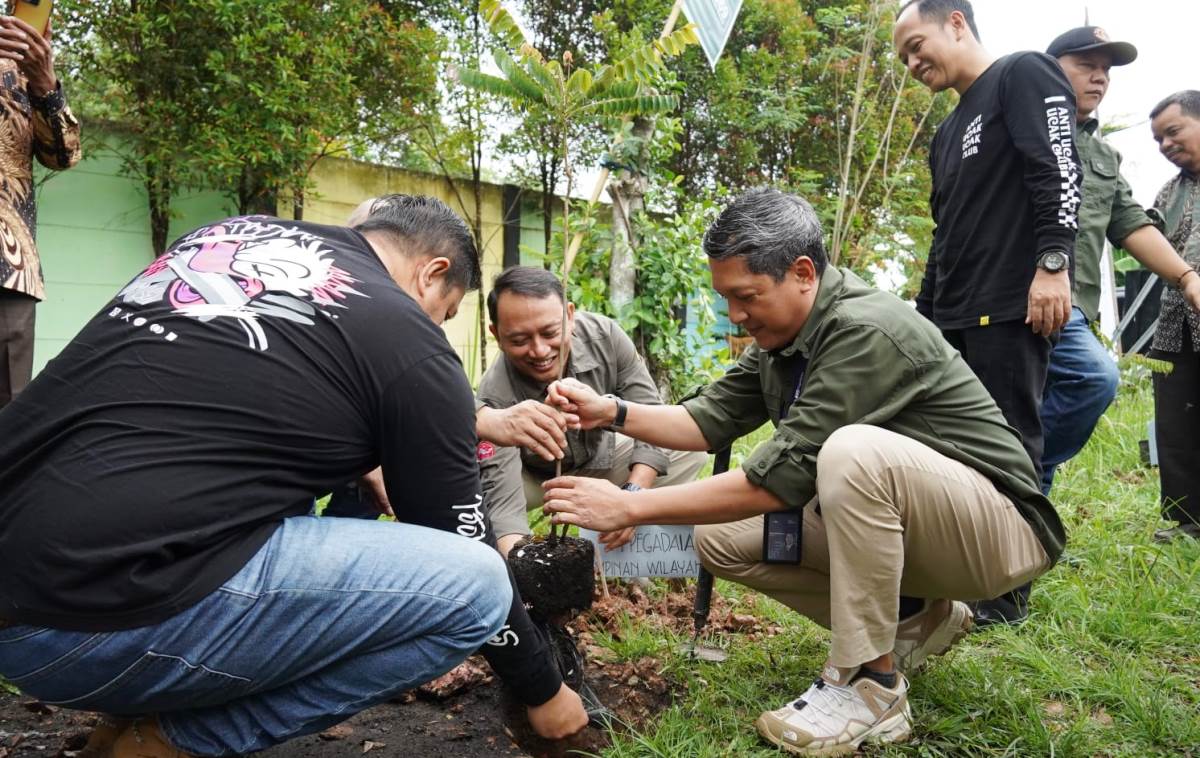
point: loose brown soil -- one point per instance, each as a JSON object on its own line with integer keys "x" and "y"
{"x": 465, "y": 714}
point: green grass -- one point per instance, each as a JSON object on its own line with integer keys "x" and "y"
{"x": 1108, "y": 664}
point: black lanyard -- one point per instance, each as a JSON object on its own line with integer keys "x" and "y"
{"x": 797, "y": 386}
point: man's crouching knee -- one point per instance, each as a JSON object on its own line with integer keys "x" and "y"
{"x": 710, "y": 548}
{"x": 486, "y": 590}
{"x": 850, "y": 459}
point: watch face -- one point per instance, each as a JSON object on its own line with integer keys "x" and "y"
{"x": 1054, "y": 262}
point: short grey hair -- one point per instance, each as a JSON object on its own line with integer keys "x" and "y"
{"x": 1188, "y": 101}
{"x": 770, "y": 229}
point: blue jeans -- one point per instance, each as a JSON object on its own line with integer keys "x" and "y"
{"x": 1080, "y": 383}
{"x": 330, "y": 617}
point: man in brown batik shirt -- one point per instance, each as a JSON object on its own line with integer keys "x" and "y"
{"x": 34, "y": 122}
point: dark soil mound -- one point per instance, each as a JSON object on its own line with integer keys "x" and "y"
{"x": 556, "y": 576}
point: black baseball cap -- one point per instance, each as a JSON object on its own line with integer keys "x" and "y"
{"x": 1087, "y": 38}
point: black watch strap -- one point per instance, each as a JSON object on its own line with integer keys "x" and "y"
{"x": 631, "y": 487}
{"x": 53, "y": 102}
{"x": 622, "y": 411}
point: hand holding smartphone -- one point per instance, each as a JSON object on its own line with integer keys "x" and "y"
{"x": 36, "y": 13}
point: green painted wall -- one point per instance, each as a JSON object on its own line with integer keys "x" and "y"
{"x": 93, "y": 234}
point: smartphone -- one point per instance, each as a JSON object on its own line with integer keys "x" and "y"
{"x": 36, "y": 13}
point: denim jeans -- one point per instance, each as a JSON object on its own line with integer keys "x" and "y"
{"x": 330, "y": 617}
{"x": 1080, "y": 384}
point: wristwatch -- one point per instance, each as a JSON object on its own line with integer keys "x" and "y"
{"x": 622, "y": 409}
{"x": 1053, "y": 261}
{"x": 631, "y": 487}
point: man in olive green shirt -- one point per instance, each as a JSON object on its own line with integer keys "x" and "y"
{"x": 891, "y": 473}
{"x": 1082, "y": 376}
{"x": 525, "y": 306}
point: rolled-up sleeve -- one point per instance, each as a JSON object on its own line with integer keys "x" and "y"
{"x": 862, "y": 377}
{"x": 732, "y": 406}
{"x": 1127, "y": 215}
{"x": 635, "y": 385}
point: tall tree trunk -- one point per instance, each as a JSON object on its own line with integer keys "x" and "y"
{"x": 158, "y": 195}
{"x": 255, "y": 195}
{"x": 546, "y": 175}
{"x": 628, "y": 193}
{"x": 477, "y": 229}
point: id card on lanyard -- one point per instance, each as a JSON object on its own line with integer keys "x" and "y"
{"x": 783, "y": 530}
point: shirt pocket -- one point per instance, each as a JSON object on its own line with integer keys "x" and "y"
{"x": 1100, "y": 182}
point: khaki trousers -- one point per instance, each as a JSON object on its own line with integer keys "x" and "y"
{"x": 896, "y": 518}
{"x": 683, "y": 467}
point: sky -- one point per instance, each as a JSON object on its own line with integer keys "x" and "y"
{"x": 1164, "y": 32}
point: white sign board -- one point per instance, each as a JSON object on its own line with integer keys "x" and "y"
{"x": 665, "y": 551}
{"x": 714, "y": 21}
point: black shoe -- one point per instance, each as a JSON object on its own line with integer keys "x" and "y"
{"x": 1011, "y": 609}
{"x": 1190, "y": 531}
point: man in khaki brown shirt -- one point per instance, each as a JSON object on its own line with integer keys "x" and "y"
{"x": 891, "y": 490}
{"x": 35, "y": 122}
{"x": 525, "y": 307}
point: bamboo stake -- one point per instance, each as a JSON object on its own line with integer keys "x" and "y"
{"x": 572, "y": 249}
{"x": 603, "y": 579}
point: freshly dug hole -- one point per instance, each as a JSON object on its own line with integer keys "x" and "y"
{"x": 555, "y": 576}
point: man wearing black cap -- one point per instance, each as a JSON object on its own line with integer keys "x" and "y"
{"x": 1082, "y": 378}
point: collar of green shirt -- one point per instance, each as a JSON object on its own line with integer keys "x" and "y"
{"x": 830, "y": 287}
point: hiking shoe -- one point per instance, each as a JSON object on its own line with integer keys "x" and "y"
{"x": 1190, "y": 531}
{"x": 930, "y": 632}
{"x": 103, "y": 737}
{"x": 144, "y": 739}
{"x": 1010, "y": 609}
{"x": 838, "y": 714}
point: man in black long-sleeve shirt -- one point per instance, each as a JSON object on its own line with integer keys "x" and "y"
{"x": 1006, "y": 194}
{"x": 157, "y": 476}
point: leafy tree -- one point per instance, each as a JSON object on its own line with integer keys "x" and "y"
{"x": 125, "y": 65}
{"x": 568, "y": 95}
{"x": 562, "y": 26}
{"x": 245, "y": 95}
{"x": 809, "y": 96}
{"x": 300, "y": 82}
{"x": 673, "y": 280}
{"x": 452, "y": 134}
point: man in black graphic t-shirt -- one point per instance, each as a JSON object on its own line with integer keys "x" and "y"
{"x": 154, "y": 537}
{"x": 1006, "y": 196}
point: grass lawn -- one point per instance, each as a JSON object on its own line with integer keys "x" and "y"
{"x": 1107, "y": 665}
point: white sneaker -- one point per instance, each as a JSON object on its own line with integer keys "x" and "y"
{"x": 931, "y": 632}
{"x": 836, "y": 715}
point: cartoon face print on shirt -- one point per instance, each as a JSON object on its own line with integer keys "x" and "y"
{"x": 246, "y": 269}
